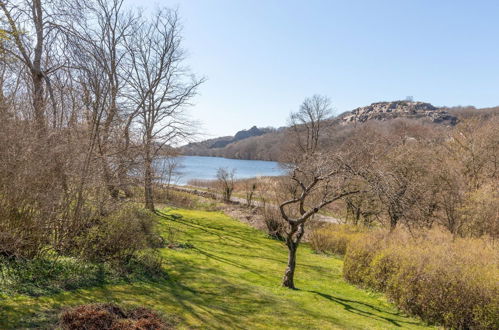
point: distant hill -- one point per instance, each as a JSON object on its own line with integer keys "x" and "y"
{"x": 268, "y": 143}
{"x": 241, "y": 135}
{"x": 210, "y": 147}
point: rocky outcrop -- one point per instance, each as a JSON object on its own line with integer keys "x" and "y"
{"x": 398, "y": 109}
{"x": 253, "y": 131}
{"x": 241, "y": 135}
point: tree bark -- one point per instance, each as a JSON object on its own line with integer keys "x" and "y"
{"x": 123, "y": 166}
{"x": 394, "y": 219}
{"x": 38, "y": 100}
{"x": 289, "y": 274}
{"x": 148, "y": 176}
{"x": 36, "y": 67}
{"x": 292, "y": 241}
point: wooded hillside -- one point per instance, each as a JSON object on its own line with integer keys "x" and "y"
{"x": 269, "y": 144}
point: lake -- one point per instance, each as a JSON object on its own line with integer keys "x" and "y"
{"x": 205, "y": 168}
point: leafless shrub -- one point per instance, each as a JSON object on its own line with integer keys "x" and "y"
{"x": 443, "y": 280}
{"x": 334, "y": 238}
{"x": 249, "y": 189}
{"x": 225, "y": 182}
{"x": 119, "y": 236}
{"x": 276, "y": 227}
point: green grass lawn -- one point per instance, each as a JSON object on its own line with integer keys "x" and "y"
{"x": 230, "y": 279}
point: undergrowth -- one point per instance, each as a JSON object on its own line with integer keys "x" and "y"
{"x": 43, "y": 276}
{"x": 444, "y": 280}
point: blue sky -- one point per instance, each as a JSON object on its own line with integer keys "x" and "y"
{"x": 262, "y": 58}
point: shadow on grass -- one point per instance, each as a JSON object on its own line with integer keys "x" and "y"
{"x": 348, "y": 305}
{"x": 232, "y": 233}
{"x": 200, "y": 297}
{"x": 236, "y": 235}
{"x": 204, "y": 293}
{"x": 229, "y": 262}
{"x": 215, "y": 295}
{"x": 230, "y": 257}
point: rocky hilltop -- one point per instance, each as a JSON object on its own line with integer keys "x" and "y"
{"x": 398, "y": 109}
{"x": 241, "y": 135}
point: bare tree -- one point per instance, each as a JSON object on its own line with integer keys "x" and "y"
{"x": 98, "y": 46}
{"x": 308, "y": 121}
{"x": 170, "y": 169}
{"x": 225, "y": 180}
{"x": 161, "y": 88}
{"x": 317, "y": 178}
{"x": 84, "y": 87}
{"x": 365, "y": 206}
{"x": 34, "y": 31}
{"x": 250, "y": 189}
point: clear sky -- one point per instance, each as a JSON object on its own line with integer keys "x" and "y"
{"x": 261, "y": 58}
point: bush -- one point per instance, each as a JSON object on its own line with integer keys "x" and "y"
{"x": 120, "y": 236}
{"x": 110, "y": 317}
{"x": 276, "y": 226}
{"x": 333, "y": 238}
{"x": 453, "y": 282}
{"x": 106, "y": 249}
{"x": 21, "y": 234}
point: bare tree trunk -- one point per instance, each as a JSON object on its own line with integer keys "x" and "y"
{"x": 36, "y": 67}
{"x": 394, "y": 219}
{"x": 38, "y": 99}
{"x": 292, "y": 241}
{"x": 357, "y": 215}
{"x": 148, "y": 179}
{"x": 289, "y": 274}
{"x": 33, "y": 64}
{"x": 393, "y": 224}
{"x": 3, "y": 104}
{"x": 122, "y": 165}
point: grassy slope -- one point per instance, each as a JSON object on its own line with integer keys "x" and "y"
{"x": 230, "y": 279}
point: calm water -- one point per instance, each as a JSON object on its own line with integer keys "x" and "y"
{"x": 197, "y": 167}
